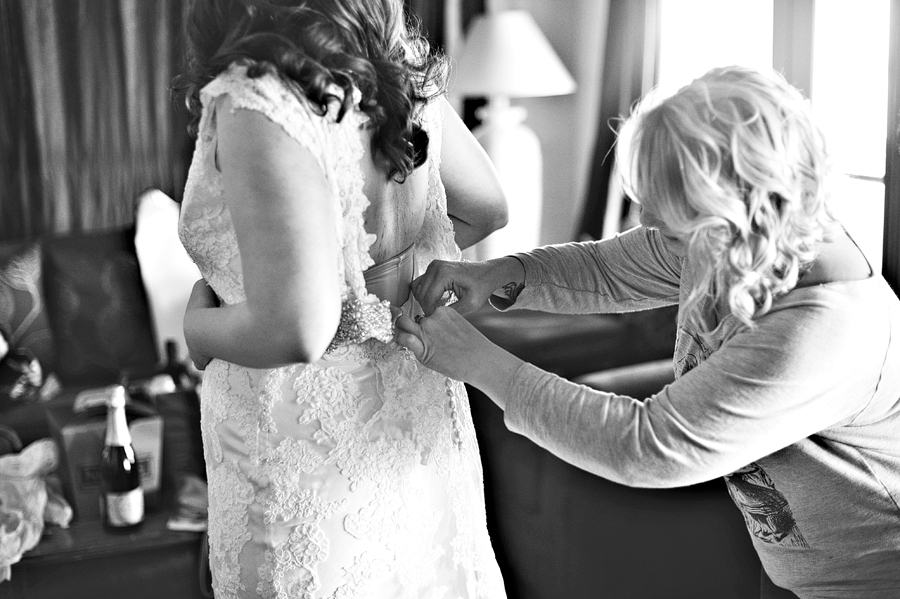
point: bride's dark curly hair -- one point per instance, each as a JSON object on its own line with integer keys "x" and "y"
{"x": 312, "y": 44}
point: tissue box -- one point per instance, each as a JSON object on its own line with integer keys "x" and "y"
{"x": 80, "y": 436}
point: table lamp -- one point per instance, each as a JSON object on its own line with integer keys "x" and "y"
{"x": 505, "y": 55}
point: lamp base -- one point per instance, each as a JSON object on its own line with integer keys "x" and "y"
{"x": 516, "y": 153}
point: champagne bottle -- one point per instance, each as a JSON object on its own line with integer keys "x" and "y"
{"x": 122, "y": 497}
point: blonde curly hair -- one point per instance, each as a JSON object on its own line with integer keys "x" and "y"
{"x": 733, "y": 163}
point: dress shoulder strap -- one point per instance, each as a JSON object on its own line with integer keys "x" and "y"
{"x": 272, "y": 97}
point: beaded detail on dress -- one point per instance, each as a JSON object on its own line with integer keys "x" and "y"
{"x": 361, "y": 321}
{"x": 358, "y": 475}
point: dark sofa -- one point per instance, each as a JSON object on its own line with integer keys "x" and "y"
{"x": 78, "y": 303}
{"x": 559, "y": 531}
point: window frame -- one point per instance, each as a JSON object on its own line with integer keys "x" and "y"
{"x": 793, "y": 22}
{"x": 891, "y": 253}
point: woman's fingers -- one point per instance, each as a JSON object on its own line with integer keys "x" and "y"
{"x": 441, "y": 277}
{"x": 407, "y": 325}
{"x": 467, "y": 301}
{"x": 413, "y": 344}
{"x": 409, "y": 335}
{"x": 200, "y": 362}
{"x": 445, "y": 341}
{"x": 429, "y": 288}
{"x": 202, "y": 296}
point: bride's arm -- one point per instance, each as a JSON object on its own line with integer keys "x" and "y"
{"x": 283, "y": 214}
{"x": 475, "y": 201}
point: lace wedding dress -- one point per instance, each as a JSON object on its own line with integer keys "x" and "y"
{"x": 358, "y": 475}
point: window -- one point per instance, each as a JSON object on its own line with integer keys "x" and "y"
{"x": 697, "y": 35}
{"x": 849, "y": 98}
{"x": 846, "y": 65}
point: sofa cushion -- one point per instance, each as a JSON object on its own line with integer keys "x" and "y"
{"x": 23, "y": 309}
{"x": 168, "y": 272}
{"x": 98, "y": 307}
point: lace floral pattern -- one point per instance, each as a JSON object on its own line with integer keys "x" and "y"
{"x": 228, "y": 531}
{"x": 290, "y": 571}
{"x": 344, "y": 478}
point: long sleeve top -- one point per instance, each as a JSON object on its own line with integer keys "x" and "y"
{"x": 800, "y": 414}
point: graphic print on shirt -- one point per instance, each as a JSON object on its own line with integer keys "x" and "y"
{"x": 691, "y": 351}
{"x": 766, "y": 510}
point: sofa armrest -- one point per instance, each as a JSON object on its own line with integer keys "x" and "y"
{"x": 636, "y": 380}
{"x": 572, "y": 345}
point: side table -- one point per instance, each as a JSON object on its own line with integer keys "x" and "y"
{"x": 87, "y": 561}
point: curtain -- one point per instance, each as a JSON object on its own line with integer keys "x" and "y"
{"x": 891, "y": 257}
{"x": 21, "y": 208}
{"x": 90, "y": 116}
{"x": 87, "y": 119}
{"x": 629, "y": 71}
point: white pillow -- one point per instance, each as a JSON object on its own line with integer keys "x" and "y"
{"x": 167, "y": 270}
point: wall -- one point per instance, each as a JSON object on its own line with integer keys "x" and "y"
{"x": 566, "y": 125}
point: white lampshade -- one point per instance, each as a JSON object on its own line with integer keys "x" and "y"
{"x": 506, "y": 54}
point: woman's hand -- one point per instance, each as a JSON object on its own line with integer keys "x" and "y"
{"x": 471, "y": 282}
{"x": 447, "y": 343}
{"x": 202, "y": 297}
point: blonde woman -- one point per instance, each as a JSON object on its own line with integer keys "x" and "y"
{"x": 787, "y": 360}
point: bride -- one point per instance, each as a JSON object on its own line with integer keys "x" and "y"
{"x": 328, "y": 172}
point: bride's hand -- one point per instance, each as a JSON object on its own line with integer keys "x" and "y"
{"x": 471, "y": 282}
{"x": 202, "y": 297}
{"x": 445, "y": 342}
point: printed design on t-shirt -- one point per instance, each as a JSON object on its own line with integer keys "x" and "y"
{"x": 691, "y": 352}
{"x": 766, "y": 510}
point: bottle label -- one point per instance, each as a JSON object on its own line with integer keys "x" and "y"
{"x": 125, "y": 509}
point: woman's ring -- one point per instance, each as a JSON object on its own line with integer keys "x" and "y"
{"x": 418, "y": 318}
